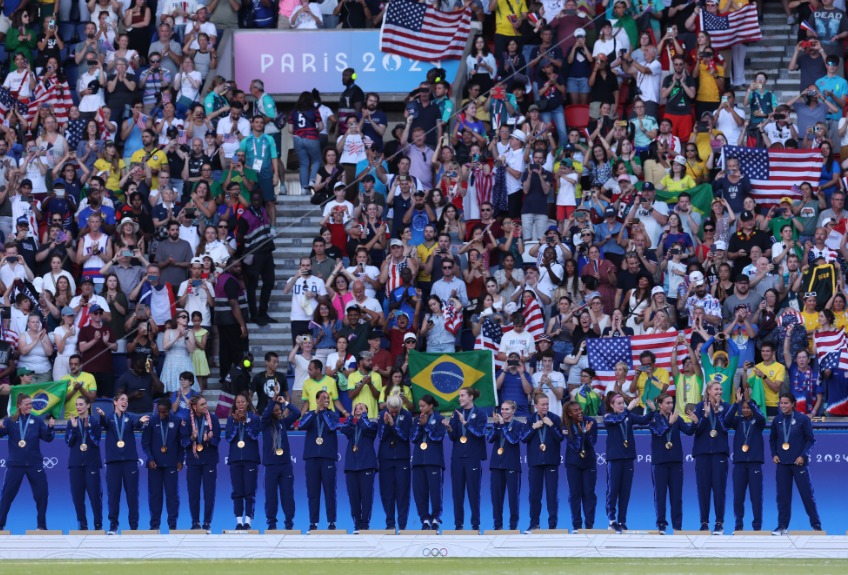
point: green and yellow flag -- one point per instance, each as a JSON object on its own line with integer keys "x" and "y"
{"x": 442, "y": 375}
{"x": 47, "y": 398}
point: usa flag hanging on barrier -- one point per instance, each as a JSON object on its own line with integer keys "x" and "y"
{"x": 737, "y": 27}
{"x": 420, "y": 32}
{"x": 773, "y": 173}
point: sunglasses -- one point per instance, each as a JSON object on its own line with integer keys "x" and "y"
{"x": 709, "y": 230}
{"x": 810, "y": 294}
{"x": 409, "y": 341}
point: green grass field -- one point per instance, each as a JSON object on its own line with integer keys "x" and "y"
{"x": 443, "y": 565}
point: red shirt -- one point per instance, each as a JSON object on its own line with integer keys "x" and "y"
{"x": 98, "y": 358}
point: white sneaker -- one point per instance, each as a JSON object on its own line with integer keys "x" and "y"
{"x": 780, "y": 531}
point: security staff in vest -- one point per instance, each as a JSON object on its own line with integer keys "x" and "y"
{"x": 276, "y": 419}
{"x": 256, "y": 244}
{"x": 160, "y": 442}
{"x": 791, "y": 441}
{"x": 748, "y": 424}
{"x": 25, "y": 431}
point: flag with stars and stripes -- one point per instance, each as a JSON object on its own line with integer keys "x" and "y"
{"x": 490, "y": 337}
{"x": 141, "y": 121}
{"x": 418, "y": 31}
{"x": 453, "y": 318}
{"x": 775, "y": 174}
{"x": 605, "y": 352}
{"x": 229, "y": 138}
{"x": 55, "y": 94}
{"x": 534, "y": 321}
{"x": 831, "y": 349}
{"x": 737, "y": 27}
{"x": 8, "y": 101}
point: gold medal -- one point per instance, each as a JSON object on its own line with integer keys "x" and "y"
{"x": 22, "y": 444}
{"x": 626, "y": 444}
{"x": 163, "y": 449}
{"x": 319, "y": 440}
{"x": 200, "y": 447}
{"x": 500, "y": 450}
{"x": 355, "y": 448}
{"x": 669, "y": 445}
{"x": 745, "y": 448}
{"x": 713, "y": 433}
{"x": 120, "y": 444}
{"x": 785, "y": 446}
{"x": 542, "y": 447}
{"x": 582, "y": 454}
{"x": 240, "y": 444}
{"x": 279, "y": 451}
{"x": 463, "y": 439}
{"x": 83, "y": 447}
{"x": 424, "y": 446}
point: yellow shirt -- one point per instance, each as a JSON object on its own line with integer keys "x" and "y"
{"x": 312, "y": 387}
{"x": 687, "y": 390}
{"x": 702, "y": 141}
{"x": 423, "y": 253}
{"x": 661, "y": 381}
{"x": 671, "y": 185}
{"x": 708, "y": 86}
{"x": 776, "y": 373}
{"x": 365, "y": 396}
{"x": 503, "y": 25}
{"x": 696, "y": 170}
{"x": 88, "y": 384}
{"x": 841, "y": 321}
{"x": 156, "y": 161}
{"x": 113, "y": 179}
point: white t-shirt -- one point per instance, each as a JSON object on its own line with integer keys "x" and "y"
{"x": 207, "y": 28}
{"x": 370, "y": 304}
{"x": 727, "y": 125}
{"x": 649, "y": 84}
{"x": 520, "y": 343}
{"x": 305, "y": 22}
{"x": 652, "y": 226}
{"x": 18, "y": 81}
{"x": 370, "y": 271}
{"x": 558, "y": 381}
{"x": 566, "y": 195}
{"x": 514, "y": 160}
{"x": 302, "y": 307}
{"x": 225, "y": 126}
{"x": 94, "y": 299}
{"x": 198, "y": 300}
{"x": 332, "y": 204}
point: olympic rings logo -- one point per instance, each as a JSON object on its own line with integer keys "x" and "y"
{"x": 434, "y": 552}
{"x": 50, "y": 462}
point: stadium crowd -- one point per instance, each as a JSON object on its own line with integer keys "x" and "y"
{"x": 577, "y": 190}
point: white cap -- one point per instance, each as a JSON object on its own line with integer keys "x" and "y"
{"x": 580, "y": 33}
{"x": 720, "y": 245}
{"x": 519, "y": 135}
{"x": 410, "y": 335}
{"x": 511, "y": 307}
{"x": 680, "y": 160}
{"x": 657, "y": 289}
{"x": 696, "y": 278}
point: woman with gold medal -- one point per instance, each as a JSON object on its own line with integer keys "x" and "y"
{"x": 360, "y": 465}
{"x": 26, "y": 431}
{"x": 581, "y": 464}
{"x": 505, "y": 466}
{"x": 621, "y": 453}
{"x": 667, "y": 459}
{"x": 242, "y": 433}
{"x": 791, "y": 441}
{"x": 428, "y": 462}
{"x": 394, "y": 425}
{"x": 543, "y": 436}
{"x": 82, "y": 436}
{"x": 200, "y": 438}
{"x": 278, "y": 417}
{"x": 467, "y": 430}
{"x": 121, "y": 460}
{"x": 748, "y": 423}
{"x": 320, "y": 453}
{"x": 711, "y": 452}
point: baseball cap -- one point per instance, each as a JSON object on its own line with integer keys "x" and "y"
{"x": 742, "y": 279}
{"x": 395, "y": 242}
{"x": 828, "y": 221}
{"x": 552, "y": 229}
{"x": 338, "y": 185}
{"x": 648, "y": 187}
{"x": 580, "y": 33}
{"x": 410, "y": 335}
{"x": 86, "y": 279}
{"x": 196, "y": 261}
{"x": 95, "y": 309}
{"x": 376, "y": 334}
{"x": 720, "y": 245}
{"x": 609, "y": 211}
{"x": 623, "y": 178}
{"x": 68, "y": 310}
{"x": 568, "y": 162}
{"x": 696, "y": 278}
{"x": 786, "y": 199}
{"x": 747, "y": 216}
{"x": 680, "y": 160}
{"x": 657, "y": 289}
{"x": 22, "y": 221}
{"x": 24, "y": 371}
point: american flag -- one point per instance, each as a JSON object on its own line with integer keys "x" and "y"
{"x": 605, "y": 352}
{"x": 773, "y": 173}
{"x": 733, "y": 28}
{"x": 490, "y": 337}
{"x": 141, "y": 122}
{"x": 229, "y": 138}
{"x": 57, "y": 95}
{"x": 453, "y": 318}
{"x": 534, "y": 320}
{"x": 420, "y": 32}
{"x": 7, "y": 101}
{"x": 181, "y": 137}
{"x": 829, "y": 346}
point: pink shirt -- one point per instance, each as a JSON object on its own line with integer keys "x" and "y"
{"x": 287, "y": 7}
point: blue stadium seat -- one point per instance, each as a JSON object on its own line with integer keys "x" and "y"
{"x": 105, "y": 404}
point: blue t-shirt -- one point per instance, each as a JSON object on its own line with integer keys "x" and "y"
{"x": 107, "y": 212}
{"x": 839, "y": 87}
{"x": 514, "y": 390}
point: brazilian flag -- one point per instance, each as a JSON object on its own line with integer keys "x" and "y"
{"x": 46, "y": 397}
{"x": 442, "y": 375}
